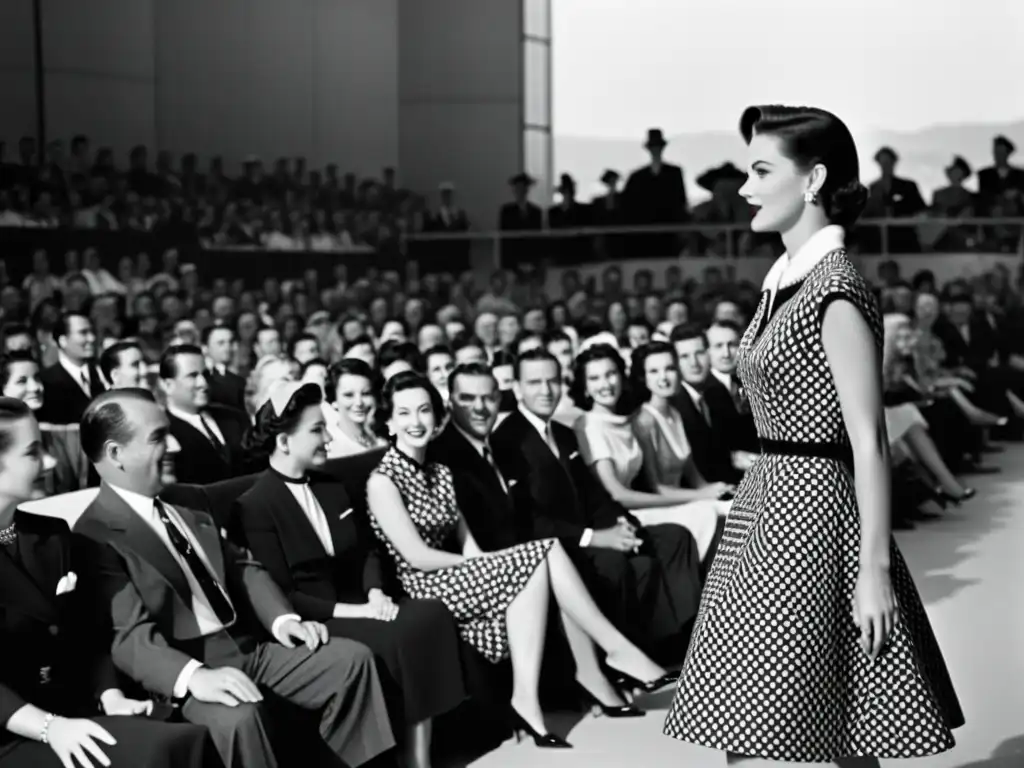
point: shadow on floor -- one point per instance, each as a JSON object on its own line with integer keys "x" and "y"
{"x": 560, "y": 723}
{"x": 1009, "y": 754}
{"x": 935, "y": 550}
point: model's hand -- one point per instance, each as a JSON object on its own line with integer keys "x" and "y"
{"x": 874, "y": 610}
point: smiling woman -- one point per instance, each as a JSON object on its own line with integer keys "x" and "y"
{"x": 820, "y": 611}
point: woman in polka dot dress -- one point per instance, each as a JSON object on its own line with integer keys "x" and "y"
{"x": 811, "y": 643}
{"x": 499, "y": 599}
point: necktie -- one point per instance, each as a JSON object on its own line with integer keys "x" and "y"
{"x": 211, "y": 589}
{"x": 497, "y": 472}
{"x": 212, "y": 437}
{"x": 702, "y": 406}
{"x": 85, "y": 383}
{"x": 549, "y": 438}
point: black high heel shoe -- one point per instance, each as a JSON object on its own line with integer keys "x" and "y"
{"x": 543, "y": 740}
{"x": 630, "y": 683}
{"x": 620, "y": 710}
{"x": 968, "y": 493}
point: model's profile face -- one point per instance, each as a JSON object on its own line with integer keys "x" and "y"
{"x": 774, "y": 186}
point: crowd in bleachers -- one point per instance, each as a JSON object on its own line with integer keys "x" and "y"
{"x": 609, "y": 419}
{"x": 293, "y": 207}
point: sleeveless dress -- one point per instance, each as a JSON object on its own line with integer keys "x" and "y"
{"x": 774, "y": 669}
{"x": 478, "y": 591}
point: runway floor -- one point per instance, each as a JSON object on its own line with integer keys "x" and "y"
{"x": 969, "y": 569}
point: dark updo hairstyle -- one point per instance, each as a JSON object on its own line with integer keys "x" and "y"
{"x": 578, "y": 389}
{"x": 11, "y": 410}
{"x": 809, "y": 136}
{"x": 394, "y": 351}
{"x": 637, "y": 374}
{"x": 349, "y": 366}
{"x": 8, "y": 360}
{"x": 261, "y": 438}
{"x": 399, "y": 383}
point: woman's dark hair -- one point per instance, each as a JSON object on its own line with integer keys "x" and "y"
{"x": 11, "y": 410}
{"x": 348, "y": 366}
{"x": 637, "y": 375}
{"x": 9, "y": 359}
{"x": 395, "y": 351}
{"x": 401, "y": 382}
{"x": 261, "y": 437}
{"x": 810, "y": 136}
{"x": 578, "y": 388}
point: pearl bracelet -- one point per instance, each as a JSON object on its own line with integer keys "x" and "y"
{"x": 44, "y": 734}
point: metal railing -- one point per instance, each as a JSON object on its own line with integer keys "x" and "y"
{"x": 887, "y": 236}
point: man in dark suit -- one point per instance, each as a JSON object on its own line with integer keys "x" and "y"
{"x": 723, "y": 391}
{"x": 708, "y": 439}
{"x": 892, "y": 196}
{"x": 656, "y": 194}
{"x": 1001, "y": 181}
{"x": 190, "y": 611}
{"x": 464, "y": 446}
{"x": 520, "y": 216}
{"x": 227, "y": 388}
{"x": 69, "y": 385}
{"x": 447, "y": 255}
{"x": 569, "y": 213}
{"x": 210, "y": 439}
{"x": 124, "y": 366}
{"x": 646, "y": 579}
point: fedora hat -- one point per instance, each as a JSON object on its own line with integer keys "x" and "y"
{"x": 655, "y": 138}
{"x": 1002, "y": 141}
{"x": 609, "y": 177}
{"x": 886, "y": 151}
{"x": 522, "y": 179}
{"x": 725, "y": 172}
{"x": 959, "y": 164}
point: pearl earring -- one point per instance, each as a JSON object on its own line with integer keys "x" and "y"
{"x": 810, "y": 197}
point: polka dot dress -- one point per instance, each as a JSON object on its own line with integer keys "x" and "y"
{"x": 774, "y": 669}
{"x": 477, "y": 592}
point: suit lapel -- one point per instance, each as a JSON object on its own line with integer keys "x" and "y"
{"x": 133, "y": 533}
{"x": 209, "y": 540}
{"x": 334, "y": 501}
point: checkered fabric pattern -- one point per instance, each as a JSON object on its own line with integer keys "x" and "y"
{"x": 774, "y": 669}
{"x": 479, "y": 591}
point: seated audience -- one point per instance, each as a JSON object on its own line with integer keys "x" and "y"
{"x": 646, "y": 579}
{"x": 499, "y": 599}
{"x": 189, "y": 607}
{"x": 301, "y": 526}
{"x": 61, "y": 698}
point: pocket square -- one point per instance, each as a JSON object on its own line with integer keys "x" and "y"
{"x": 574, "y": 455}
{"x": 67, "y": 583}
{"x": 513, "y": 483}
{"x": 345, "y": 514}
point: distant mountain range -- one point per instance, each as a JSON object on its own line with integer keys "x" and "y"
{"x": 924, "y": 154}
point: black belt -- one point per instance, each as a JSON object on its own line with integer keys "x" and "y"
{"x": 835, "y": 451}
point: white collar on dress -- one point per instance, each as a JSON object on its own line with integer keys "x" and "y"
{"x": 788, "y": 271}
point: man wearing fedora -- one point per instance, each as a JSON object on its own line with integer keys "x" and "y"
{"x": 521, "y": 216}
{"x": 447, "y": 255}
{"x": 569, "y": 213}
{"x": 655, "y": 195}
{"x": 894, "y": 197}
{"x": 952, "y": 202}
{"x": 1001, "y": 180}
{"x": 725, "y": 207}
{"x": 608, "y": 210}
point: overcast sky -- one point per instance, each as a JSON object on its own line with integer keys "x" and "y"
{"x": 621, "y": 66}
